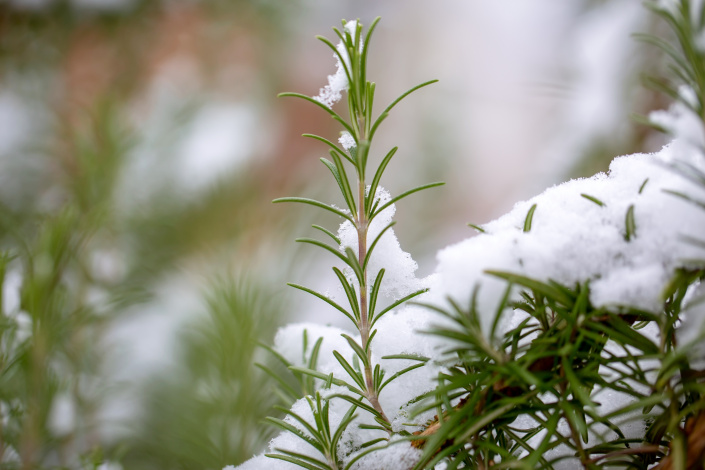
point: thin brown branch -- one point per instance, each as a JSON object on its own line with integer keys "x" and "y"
{"x": 649, "y": 449}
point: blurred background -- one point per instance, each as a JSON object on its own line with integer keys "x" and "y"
{"x": 141, "y": 143}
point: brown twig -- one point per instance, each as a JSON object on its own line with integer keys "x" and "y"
{"x": 649, "y": 449}
{"x": 695, "y": 431}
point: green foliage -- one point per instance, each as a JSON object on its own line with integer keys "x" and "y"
{"x": 686, "y": 19}
{"x": 366, "y": 380}
{"x": 58, "y": 306}
{"x": 320, "y": 436}
{"x": 198, "y": 416}
{"x": 554, "y": 367}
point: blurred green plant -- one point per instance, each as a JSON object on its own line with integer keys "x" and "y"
{"x": 74, "y": 262}
{"x": 207, "y": 411}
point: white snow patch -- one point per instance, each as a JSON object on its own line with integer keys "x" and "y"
{"x": 574, "y": 240}
{"x": 399, "y": 276}
{"x": 347, "y": 140}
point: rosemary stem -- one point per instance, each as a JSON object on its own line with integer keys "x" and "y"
{"x": 362, "y": 229}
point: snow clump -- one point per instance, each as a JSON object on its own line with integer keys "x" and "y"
{"x": 579, "y": 233}
{"x": 399, "y": 268}
{"x": 338, "y": 82}
{"x": 347, "y": 140}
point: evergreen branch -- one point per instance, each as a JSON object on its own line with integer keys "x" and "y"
{"x": 412, "y": 357}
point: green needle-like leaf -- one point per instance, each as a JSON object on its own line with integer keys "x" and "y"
{"x": 396, "y": 304}
{"x": 334, "y": 147}
{"x": 325, "y": 378}
{"x": 294, "y": 430}
{"x": 333, "y": 114}
{"x": 399, "y": 374}
{"x": 357, "y": 348}
{"x": 344, "y": 423}
{"x": 327, "y": 232}
{"x": 296, "y": 461}
{"x": 326, "y": 300}
{"x": 315, "y": 203}
{"x": 376, "y": 179}
{"x": 546, "y": 289}
{"x": 350, "y": 293}
{"x": 342, "y": 184}
{"x": 349, "y": 369}
{"x": 529, "y": 218}
{"x": 402, "y": 196}
{"x": 629, "y": 224}
{"x": 328, "y": 248}
{"x": 385, "y": 113}
{"x": 593, "y": 199}
{"x": 374, "y": 293}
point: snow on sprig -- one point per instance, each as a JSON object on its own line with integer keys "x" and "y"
{"x": 340, "y": 81}
{"x": 368, "y": 249}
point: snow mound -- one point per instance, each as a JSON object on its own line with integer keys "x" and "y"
{"x": 579, "y": 233}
